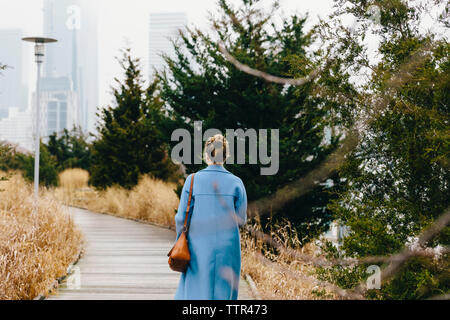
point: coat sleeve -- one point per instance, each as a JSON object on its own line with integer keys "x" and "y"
{"x": 181, "y": 213}
{"x": 240, "y": 204}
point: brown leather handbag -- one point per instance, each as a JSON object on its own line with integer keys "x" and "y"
{"x": 179, "y": 255}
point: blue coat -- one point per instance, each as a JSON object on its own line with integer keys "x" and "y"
{"x": 219, "y": 204}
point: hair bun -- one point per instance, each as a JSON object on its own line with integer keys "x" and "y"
{"x": 217, "y": 147}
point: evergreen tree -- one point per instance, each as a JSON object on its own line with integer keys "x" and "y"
{"x": 398, "y": 178}
{"x": 48, "y": 172}
{"x": 201, "y": 85}
{"x": 71, "y": 149}
{"x": 10, "y": 157}
{"x": 130, "y": 142}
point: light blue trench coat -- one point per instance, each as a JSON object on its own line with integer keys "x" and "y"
{"x": 219, "y": 202}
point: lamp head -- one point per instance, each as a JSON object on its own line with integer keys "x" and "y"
{"x": 39, "y": 49}
{"x": 39, "y": 40}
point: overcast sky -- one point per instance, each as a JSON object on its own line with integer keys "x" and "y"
{"x": 125, "y": 22}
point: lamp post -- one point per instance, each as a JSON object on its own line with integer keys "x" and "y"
{"x": 39, "y": 52}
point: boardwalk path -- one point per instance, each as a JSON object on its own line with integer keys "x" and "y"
{"x": 124, "y": 259}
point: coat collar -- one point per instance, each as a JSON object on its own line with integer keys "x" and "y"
{"x": 216, "y": 167}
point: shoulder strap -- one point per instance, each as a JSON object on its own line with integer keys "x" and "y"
{"x": 185, "y": 226}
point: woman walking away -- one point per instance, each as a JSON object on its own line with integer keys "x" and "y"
{"x": 218, "y": 207}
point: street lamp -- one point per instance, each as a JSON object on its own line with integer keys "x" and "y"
{"x": 39, "y": 52}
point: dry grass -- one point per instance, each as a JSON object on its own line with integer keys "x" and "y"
{"x": 155, "y": 201}
{"x": 151, "y": 200}
{"x": 71, "y": 182}
{"x": 275, "y": 274}
{"x": 35, "y": 248}
{"x": 73, "y": 179}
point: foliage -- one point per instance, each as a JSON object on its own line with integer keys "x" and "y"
{"x": 397, "y": 178}
{"x": 130, "y": 142}
{"x": 10, "y": 158}
{"x": 48, "y": 167}
{"x": 200, "y": 85}
{"x": 70, "y": 149}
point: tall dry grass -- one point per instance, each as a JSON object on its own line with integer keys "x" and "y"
{"x": 276, "y": 275}
{"x": 152, "y": 200}
{"x": 73, "y": 179}
{"x": 71, "y": 182}
{"x": 35, "y": 247}
{"x": 155, "y": 201}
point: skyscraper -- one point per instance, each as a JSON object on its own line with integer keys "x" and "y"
{"x": 164, "y": 27}
{"x": 75, "y": 57}
{"x": 60, "y": 105}
{"x": 13, "y": 92}
{"x": 17, "y": 128}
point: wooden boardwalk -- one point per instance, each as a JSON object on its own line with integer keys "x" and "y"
{"x": 123, "y": 260}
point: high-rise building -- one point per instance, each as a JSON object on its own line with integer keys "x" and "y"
{"x": 17, "y": 128}
{"x": 75, "y": 57}
{"x": 164, "y": 27}
{"x": 59, "y": 106}
{"x": 13, "y": 91}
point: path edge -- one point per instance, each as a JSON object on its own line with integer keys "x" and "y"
{"x": 247, "y": 278}
{"x": 58, "y": 281}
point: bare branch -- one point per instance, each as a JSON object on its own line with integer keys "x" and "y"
{"x": 264, "y": 75}
{"x": 427, "y": 235}
{"x": 305, "y": 184}
{"x": 348, "y": 294}
{"x": 441, "y": 297}
{"x": 401, "y": 257}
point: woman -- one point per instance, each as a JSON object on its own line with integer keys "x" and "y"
{"x": 218, "y": 208}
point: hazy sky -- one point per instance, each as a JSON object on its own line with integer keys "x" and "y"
{"x": 126, "y": 22}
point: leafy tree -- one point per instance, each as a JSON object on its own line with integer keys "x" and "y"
{"x": 130, "y": 142}
{"x": 10, "y": 158}
{"x": 71, "y": 149}
{"x": 48, "y": 172}
{"x": 398, "y": 178}
{"x": 201, "y": 85}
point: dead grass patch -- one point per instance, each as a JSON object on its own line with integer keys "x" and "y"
{"x": 152, "y": 200}
{"x": 35, "y": 247}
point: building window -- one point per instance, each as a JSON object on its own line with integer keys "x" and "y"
{"x": 52, "y": 117}
{"x": 63, "y": 115}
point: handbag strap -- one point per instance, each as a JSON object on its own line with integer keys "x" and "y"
{"x": 185, "y": 226}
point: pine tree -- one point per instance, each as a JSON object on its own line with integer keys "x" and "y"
{"x": 397, "y": 177}
{"x": 71, "y": 149}
{"x": 129, "y": 141}
{"x": 201, "y": 85}
{"x": 48, "y": 167}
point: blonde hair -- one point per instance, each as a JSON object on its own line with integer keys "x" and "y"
{"x": 216, "y": 150}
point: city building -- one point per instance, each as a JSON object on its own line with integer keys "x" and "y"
{"x": 59, "y": 106}
{"x": 59, "y": 111}
{"x": 75, "y": 57}
{"x": 17, "y": 128}
{"x": 13, "y": 91}
{"x": 164, "y": 27}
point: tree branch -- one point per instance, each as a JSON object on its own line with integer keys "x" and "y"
{"x": 264, "y": 75}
